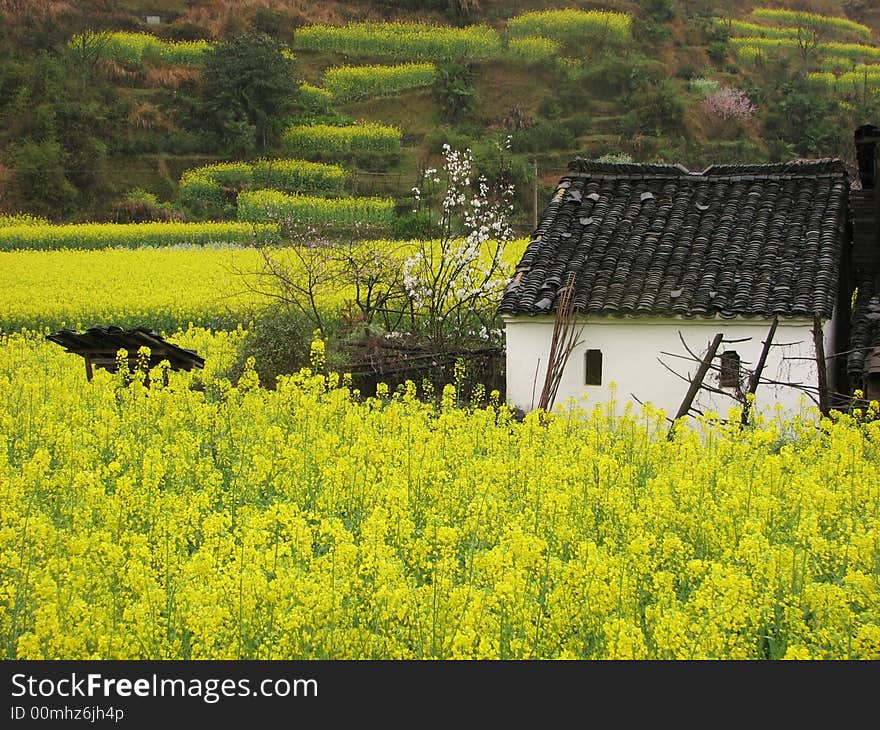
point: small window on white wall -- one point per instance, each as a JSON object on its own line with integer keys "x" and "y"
{"x": 729, "y": 375}
{"x": 593, "y": 366}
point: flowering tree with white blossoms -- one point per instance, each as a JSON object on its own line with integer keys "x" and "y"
{"x": 454, "y": 284}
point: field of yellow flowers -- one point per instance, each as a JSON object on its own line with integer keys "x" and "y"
{"x": 200, "y": 520}
{"x": 163, "y": 288}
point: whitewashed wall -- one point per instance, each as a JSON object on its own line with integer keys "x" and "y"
{"x": 630, "y": 350}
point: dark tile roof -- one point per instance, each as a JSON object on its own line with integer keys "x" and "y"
{"x": 658, "y": 240}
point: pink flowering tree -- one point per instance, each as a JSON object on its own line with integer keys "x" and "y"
{"x": 729, "y": 104}
{"x": 728, "y": 109}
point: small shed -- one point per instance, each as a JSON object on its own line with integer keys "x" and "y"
{"x": 98, "y": 347}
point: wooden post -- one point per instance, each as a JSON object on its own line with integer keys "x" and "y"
{"x": 759, "y": 368}
{"x": 88, "y": 368}
{"x": 819, "y": 344}
{"x": 698, "y": 379}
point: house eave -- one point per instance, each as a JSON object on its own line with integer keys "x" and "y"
{"x": 630, "y": 319}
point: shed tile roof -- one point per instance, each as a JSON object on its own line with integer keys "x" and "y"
{"x": 658, "y": 240}
{"x": 104, "y": 342}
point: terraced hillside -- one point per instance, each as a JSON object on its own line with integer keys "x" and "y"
{"x": 107, "y": 113}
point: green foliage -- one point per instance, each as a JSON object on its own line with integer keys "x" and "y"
{"x": 360, "y": 82}
{"x": 798, "y": 121}
{"x": 647, "y": 31}
{"x": 279, "y": 24}
{"x": 249, "y": 86}
{"x": 413, "y": 226}
{"x": 660, "y": 11}
{"x": 278, "y": 338}
{"x": 58, "y": 114}
{"x": 401, "y": 40}
{"x": 492, "y": 160}
{"x": 719, "y": 50}
{"x": 656, "y": 110}
{"x": 454, "y": 92}
{"x": 542, "y": 136}
{"x": 41, "y": 176}
{"x": 141, "y": 206}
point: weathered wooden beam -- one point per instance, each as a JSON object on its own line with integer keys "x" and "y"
{"x": 705, "y": 363}
{"x": 822, "y": 380}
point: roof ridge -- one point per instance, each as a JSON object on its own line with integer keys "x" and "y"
{"x": 810, "y": 167}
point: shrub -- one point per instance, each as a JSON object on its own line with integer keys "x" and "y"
{"x": 41, "y": 175}
{"x": 278, "y": 339}
{"x": 413, "y": 226}
{"x": 613, "y": 76}
{"x": 656, "y": 110}
{"x": 141, "y": 206}
{"x": 541, "y": 137}
{"x": 454, "y": 92}
{"x": 703, "y": 86}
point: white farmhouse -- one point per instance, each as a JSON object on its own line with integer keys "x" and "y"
{"x": 663, "y": 260}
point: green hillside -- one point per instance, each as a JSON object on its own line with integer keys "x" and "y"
{"x": 105, "y": 111}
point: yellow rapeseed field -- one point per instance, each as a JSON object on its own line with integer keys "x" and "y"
{"x": 162, "y": 288}
{"x": 165, "y": 288}
{"x": 307, "y": 522}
